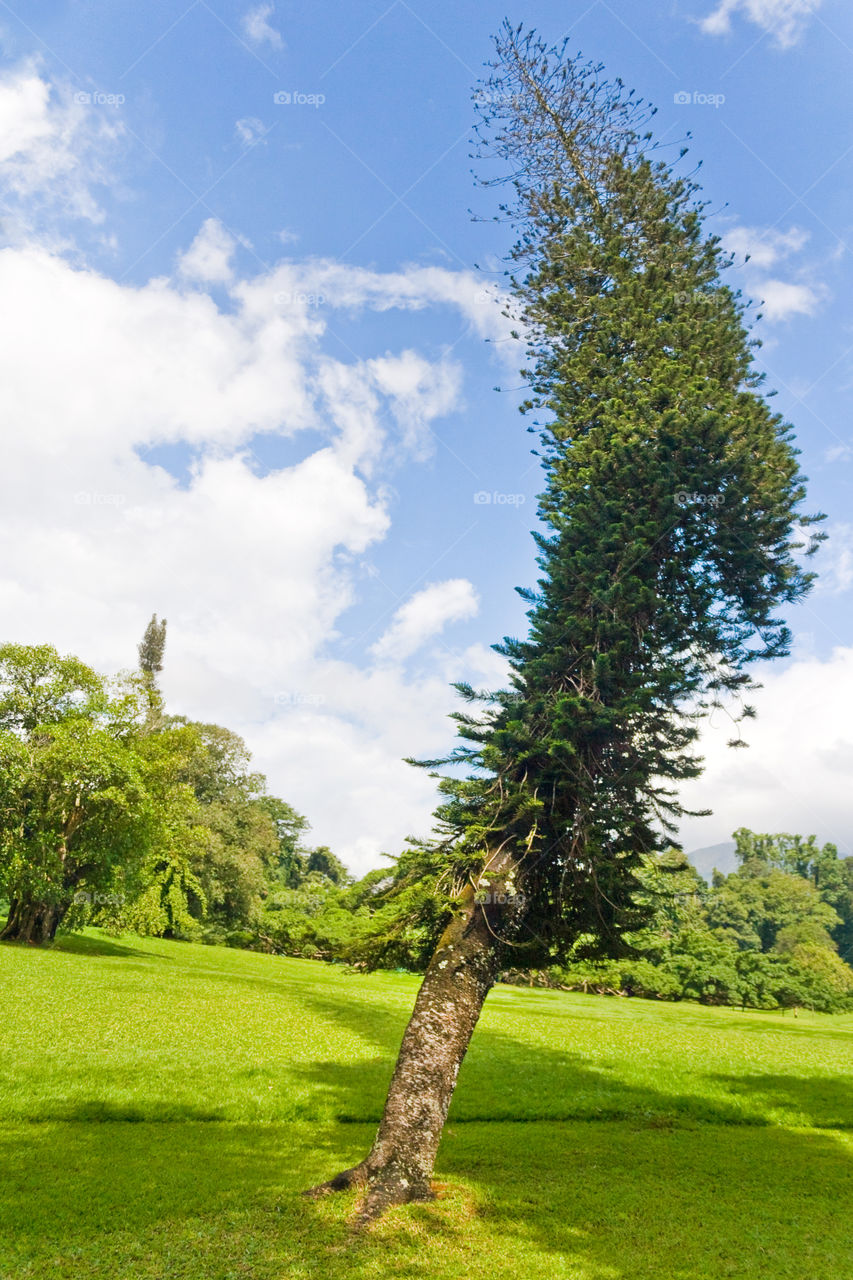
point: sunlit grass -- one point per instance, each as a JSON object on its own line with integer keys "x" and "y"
{"x": 164, "y": 1103}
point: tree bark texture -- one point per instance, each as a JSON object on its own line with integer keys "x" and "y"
{"x": 463, "y": 968}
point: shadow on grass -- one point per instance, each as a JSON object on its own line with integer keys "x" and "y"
{"x": 82, "y": 944}
{"x": 99, "y": 1111}
{"x": 505, "y": 1079}
{"x": 674, "y": 1187}
{"x": 586, "y": 1201}
{"x": 825, "y": 1102}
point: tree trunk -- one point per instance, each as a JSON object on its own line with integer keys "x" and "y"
{"x": 462, "y": 971}
{"x": 34, "y": 922}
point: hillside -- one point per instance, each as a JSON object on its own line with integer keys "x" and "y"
{"x": 714, "y": 857}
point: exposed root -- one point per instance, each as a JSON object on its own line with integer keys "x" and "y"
{"x": 385, "y": 1187}
{"x": 354, "y": 1177}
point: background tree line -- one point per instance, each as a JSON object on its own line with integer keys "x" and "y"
{"x": 115, "y": 813}
{"x": 777, "y": 932}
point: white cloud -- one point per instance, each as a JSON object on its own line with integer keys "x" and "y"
{"x": 254, "y": 567}
{"x": 418, "y": 392}
{"x": 426, "y": 615}
{"x": 781, "y": 299}
{"x": 250, "y": 130}
{"x": 765, "y": 246}
{"x": 257, "y": 28}
{"x": 208, "y": 259}
{"x": 24, "y": 118}
{"x": 53, "y": 143}
{"x": 835, "y": 559}
{"x": 794, "y": 776}
{"x": 785, "y": 20}
{"x": 413, "y": 288}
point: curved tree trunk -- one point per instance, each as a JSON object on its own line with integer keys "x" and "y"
{"x": 34, "y": 922}
{"x": 463, "y": 968}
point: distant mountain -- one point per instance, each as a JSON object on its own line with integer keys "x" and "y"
{"x": 721, "y": 856}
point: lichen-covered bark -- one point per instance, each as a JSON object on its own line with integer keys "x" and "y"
{"x": 399, "y": 1165}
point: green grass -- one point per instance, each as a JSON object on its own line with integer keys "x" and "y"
{"x": 163, "y": 1104}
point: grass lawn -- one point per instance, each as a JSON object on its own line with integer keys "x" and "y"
{"x": 163, "y": 1104}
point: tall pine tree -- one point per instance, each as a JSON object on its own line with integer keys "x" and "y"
{"x": 669, "y": 508}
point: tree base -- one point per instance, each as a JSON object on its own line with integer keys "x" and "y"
{"x": 385, "y": 1187}
{"x": 32, "y": 922}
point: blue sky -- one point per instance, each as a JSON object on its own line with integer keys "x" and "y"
{"x": 250, "y": 358}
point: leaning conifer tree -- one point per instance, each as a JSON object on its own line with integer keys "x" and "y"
{"x": 669, "y": 511}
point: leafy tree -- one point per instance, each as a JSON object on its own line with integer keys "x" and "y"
{"x": 671, "y": 495}
{"x": 831, "y": 876}
{"x": 757, "y": 908}
{"x": 820, "y": 968}
{"x": 229, "y": 867}
{"x": 406, "y": 912}
{"x": 112, "y": 812}
{"x": 316, "y": 920}
{"x": 754, "y": 938}
{"x": 163, "y": 894}
{"x": 290, "y": 828}
{"x": 254, "y": 840}
{"x": 323, "y": 862}
{"x": 844, "y": 906}
{"x": 75, "y": 804}
{"x": 40, "y": 687}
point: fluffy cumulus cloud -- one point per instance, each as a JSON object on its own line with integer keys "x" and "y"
{"x": 795, "y": 771}
{"x": 765, "y": 246}
{"x": 258, "y": 29}
{"x": 425, "y": 616}
{"x": 784, "y": 20}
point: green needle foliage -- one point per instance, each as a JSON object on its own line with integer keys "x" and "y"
{"x": 670, "y": 509}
